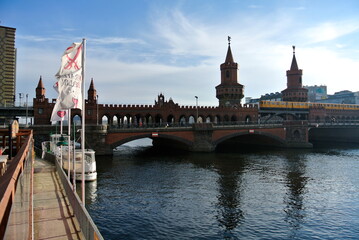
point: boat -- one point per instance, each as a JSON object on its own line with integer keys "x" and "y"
{"x": 58, "y": 149}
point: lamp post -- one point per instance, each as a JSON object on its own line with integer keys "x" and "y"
{"x": 27, "y": 95}
{"x": 196, "y": 108}
{"x": 97, "y": 108}
{"x": 21, "y": 95}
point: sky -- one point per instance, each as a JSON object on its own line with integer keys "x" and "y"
{"x": 138, "y": 49}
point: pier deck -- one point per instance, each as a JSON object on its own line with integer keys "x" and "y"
{"x": 53, "y": 214}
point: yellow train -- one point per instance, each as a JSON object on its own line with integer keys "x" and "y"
{"x": 267, "y": 105}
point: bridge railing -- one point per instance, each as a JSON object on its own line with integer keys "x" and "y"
{"x": 16, "y": 186}
{"x": 334, "y": 122}
{"x": 186, "y": 125}
{"x": 11, "y": 104}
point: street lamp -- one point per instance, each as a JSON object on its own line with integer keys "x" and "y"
{"x": 97, "y": 108}
{"x": 27, "y": 95}
{"x": 196, "y": 108}
{"x": 21, "y": 95}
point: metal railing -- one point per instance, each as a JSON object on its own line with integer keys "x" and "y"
{"x": 87, "y": 226}
{"x": 187, "y": 125}
{"x": 333, "y": 123}
{"x": 16, "y": 186}
{"x": 11, "y": 104}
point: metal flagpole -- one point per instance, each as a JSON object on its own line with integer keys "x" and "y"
{"x": 69, "y": 146}
{"x": 83, "y": 120}
{"x": 74, "y": 161}
{"x": 61, "y": 145}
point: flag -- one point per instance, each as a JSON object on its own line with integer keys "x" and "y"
{"x": 69, "y": 78}
{"x": 58, "y": 114}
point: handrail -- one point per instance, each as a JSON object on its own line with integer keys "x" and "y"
{"x": 87, "y": 226}
{"x": 8, "y": 183}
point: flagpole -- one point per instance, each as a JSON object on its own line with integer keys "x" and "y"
{"x": 61, "y": 145}
{"x": 69, "y": 145}
{"x": 83, "y": 120}
{"x": 74, "y": 161}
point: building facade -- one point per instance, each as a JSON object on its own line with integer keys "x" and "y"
{"x": 7, "y": 66}
{"x": 316, "y": 93}
{"x": 342, "y": 97}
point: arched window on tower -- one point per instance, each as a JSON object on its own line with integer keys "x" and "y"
{"x": 227, "y": 74}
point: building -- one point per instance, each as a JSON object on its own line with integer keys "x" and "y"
{"x": 316, "y": 93}
{"x": 295, "y": 91}
{"x": 342, "y": 97}
{"x": 229, "y": 92}
{"x": 7, "y": 66}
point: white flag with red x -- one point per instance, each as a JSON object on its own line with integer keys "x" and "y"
{"x": 59, "y": 114}
{"x": 69, "y": 78}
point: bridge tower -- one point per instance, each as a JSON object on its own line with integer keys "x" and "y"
{"x": 295, "y": 91}
{"x": 40, "y": 91}
{"x": 229, "y": 92}
{"x": 92, "y": 93}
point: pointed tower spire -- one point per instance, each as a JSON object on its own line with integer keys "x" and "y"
{"x": 91, "y": 93}
{"x": 40, "y": 90}
{"x": 229, "y": 57}
{"x": 295, "y": 91}
{"x": 294, "y": 65}
{"x": 40, "y": 84}
{"x": 229, "y": 92}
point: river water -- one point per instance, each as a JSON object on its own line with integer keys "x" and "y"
{"x": 251, "y": 194}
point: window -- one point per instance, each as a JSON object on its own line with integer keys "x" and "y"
{"x": 41, "y": 110}
{"x": 227, "y": 74}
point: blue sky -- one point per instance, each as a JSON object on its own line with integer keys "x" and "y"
{"x": 138, "y": 49}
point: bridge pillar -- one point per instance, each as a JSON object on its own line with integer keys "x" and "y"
{"x": 297, "y": 134}
{"x": 96, "y": 137}
{"x": 202, "y": 137}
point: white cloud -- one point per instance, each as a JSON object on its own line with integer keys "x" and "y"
{"x": 116, "y": 40}
{"x": 330, "y": 30}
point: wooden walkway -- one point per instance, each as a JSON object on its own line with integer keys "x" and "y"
{"x": 53, "y": 215}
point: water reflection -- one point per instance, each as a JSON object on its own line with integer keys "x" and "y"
{"x": 90, "y": 191}
{"x": 229, "y": 169}
{"x": 296, "y": 181}
{"x": 229, "y": 210}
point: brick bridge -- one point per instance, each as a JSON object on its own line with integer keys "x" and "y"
{"x": 202, "y": 137}
{"x": 207, "y": 137}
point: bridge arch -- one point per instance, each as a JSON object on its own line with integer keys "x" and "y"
{"x": 170, "y": 119}
{"x": 115, "y": 120}
{"x": 172, "y": 138}
{"x": 158, "y": 119}
{"x": 267, "y": 138}
{"x": 234, "y": 118}
{"x": 217, "y": 119}
{"x": 106, "y": 119}
{"x": 226, "y": 119}
{"x": 76, "y": 119}
{"x": 182, "y": 120}
{"x": 247, "y": 119}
